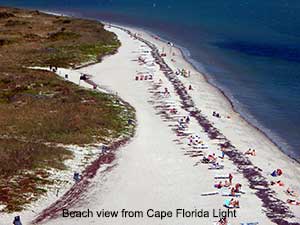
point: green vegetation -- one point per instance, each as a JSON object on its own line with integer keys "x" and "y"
{"x": 38, "y": 110}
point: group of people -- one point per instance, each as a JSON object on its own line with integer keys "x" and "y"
{"x": 53, "y": 68}
{"x": 194, "y": 140}
{"x": 183, "y": 72}
{"x": 291, "y": 193}
{"x": 250, "y": 152}
{"x": 183, "y": 123}
{"x": 215, "y": 114}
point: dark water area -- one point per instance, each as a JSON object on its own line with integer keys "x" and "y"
{"x": 250, "y": 49}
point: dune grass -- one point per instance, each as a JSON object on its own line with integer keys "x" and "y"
{"x": 38, "y": 110}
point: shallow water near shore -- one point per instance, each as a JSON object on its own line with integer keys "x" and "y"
{"x": 248, "y": 49}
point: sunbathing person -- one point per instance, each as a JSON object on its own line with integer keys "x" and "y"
{"x": 292, "y": 202}
{"x": 212, "y": 158}
{"x": 219, "y": 185}
{"x": 209, "y": 159}
{"x": 279, "y": 183}
{"x": 227, "y": 184}
{"x": 234, "y": 203}
{"x": 173, "y": 111}
{"x": 291, "y": 192}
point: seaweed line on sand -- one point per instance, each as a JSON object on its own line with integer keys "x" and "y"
{"x": 276, "y": 210}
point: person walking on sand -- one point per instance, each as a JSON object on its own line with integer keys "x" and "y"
{"x": 76, "y": 177}
{"x": 230, "y": 178}
{"x": 222, "y": 153}
{"x": 17, "y": 220}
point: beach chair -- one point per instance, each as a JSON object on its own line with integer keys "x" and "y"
{"x": 221, "y": 177}
{"x": 200, "y": 146}
{"x": 210, "y": 193}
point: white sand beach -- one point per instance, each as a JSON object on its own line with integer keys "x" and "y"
{"x": 157, "y": 169}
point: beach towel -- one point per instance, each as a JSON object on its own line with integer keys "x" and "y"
{"x": 222, "y": 177}
{"x": 201, "y": 146}
{"x": 229, "y": 195}
{"x": 216, "y": 167}
{"x": 227, "y": 204}
{"x": 210, "y": 193}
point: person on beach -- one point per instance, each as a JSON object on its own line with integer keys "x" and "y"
{"x": 293, "y": 202}
{"x": 222, "y": 153}
{"x": 251, "y": 152}
{"x": 234, "y": 203}
{"x": 17, "y": 220}
{"x": 232, "y": 191}
{"x": 209, "y": 159}
{"x": 187, "y": 120}
{"x": 219, "y": 185}
{"x": 238, "y": 187}
{"x": 279, "y": 183}
{"x": 215, "y": 114}
{"x": 212, "y": 158}
{"x": 291, "y": 192}
{"x": 276, "y": 173}
{"x": 166, "y": 92}
{"x": 190, "y": 87}
{"x": 83, "y": 77}
{"x": 173, "y": 111}
{"x": 227, "y": 184}
{"x": 76, "y": 177}
{"x": 230, "y": 178}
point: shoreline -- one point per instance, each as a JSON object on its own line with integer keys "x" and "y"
{"x": 252, "y": 173}
{"x": 170, "y": 165}
{"x": 207, "y": 79}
